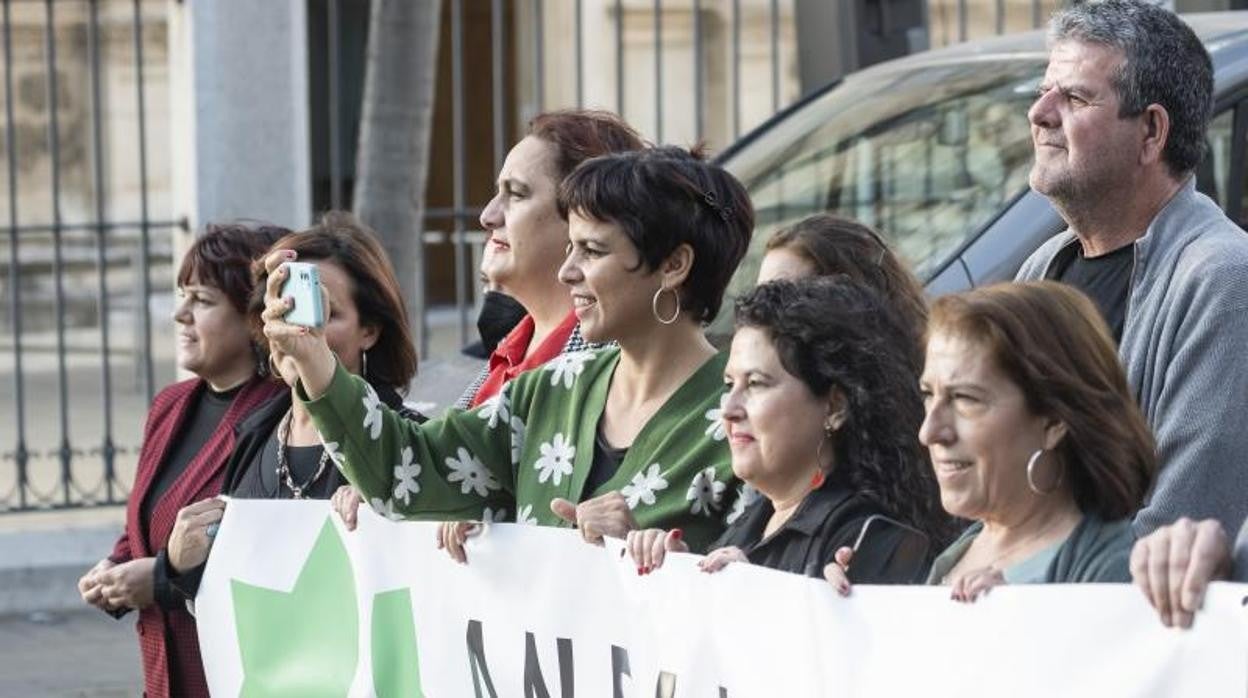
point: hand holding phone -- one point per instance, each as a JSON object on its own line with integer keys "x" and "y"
{"x": 303, "y": 284}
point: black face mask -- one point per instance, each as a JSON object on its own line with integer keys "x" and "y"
{"x": 500, "y": 313}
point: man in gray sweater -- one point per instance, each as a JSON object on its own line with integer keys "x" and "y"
{"x": 1118, "y": 128}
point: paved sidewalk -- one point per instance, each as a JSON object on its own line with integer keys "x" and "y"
{"x": 82, "y": 654}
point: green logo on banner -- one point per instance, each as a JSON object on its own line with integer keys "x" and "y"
{"x": 305, "y": 642}
{"x": 396, "y": 664}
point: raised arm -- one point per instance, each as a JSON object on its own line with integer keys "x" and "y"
{"x": 451, "y": 468}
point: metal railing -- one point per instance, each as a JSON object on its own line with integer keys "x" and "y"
{"x": 41, "y": 251}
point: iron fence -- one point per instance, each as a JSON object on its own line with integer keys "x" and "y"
{"x": 76, "y": 257}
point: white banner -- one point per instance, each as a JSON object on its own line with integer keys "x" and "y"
{"x": 294, "y": 605}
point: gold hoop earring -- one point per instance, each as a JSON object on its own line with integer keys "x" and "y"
{"x": 654, "y": 306}
{"x": 1031, "y": 478}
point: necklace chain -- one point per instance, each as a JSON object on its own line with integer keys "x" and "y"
{"x": 283, "y": 465}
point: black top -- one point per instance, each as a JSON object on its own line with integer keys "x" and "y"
{"x": 202, "y": 418}
{"x": 830, "y": 518}
{"x": 259, "y": 479}
{"x": 605, "y": 465}
{"x": 1106, "y": 279}
{"x": 246, "y": 477}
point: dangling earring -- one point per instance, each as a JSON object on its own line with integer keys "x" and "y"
{"x": 364, "y": 363}
{"x": 1031, "y": 478}
{"x": 654, "y": 306}
{"x": 817, "y": 480}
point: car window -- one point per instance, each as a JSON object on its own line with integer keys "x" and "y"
{"x": 927, "y": 155}
{"x": 1215, "y": 169}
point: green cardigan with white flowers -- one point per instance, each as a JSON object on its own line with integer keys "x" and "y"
{"x": 534, "y": 441}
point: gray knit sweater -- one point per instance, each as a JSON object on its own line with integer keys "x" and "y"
{"x": 1184, "y": 349}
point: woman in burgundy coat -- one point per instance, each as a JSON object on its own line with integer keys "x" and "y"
{"x": 188, "y": 437}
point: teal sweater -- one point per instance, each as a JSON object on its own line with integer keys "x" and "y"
{"x": 1096, "y": 551}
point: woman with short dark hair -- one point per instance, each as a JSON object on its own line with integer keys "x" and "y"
{"x": 821, "y": 412}
{"x": 630, "y": 432}
{"x": 1035, "y": 436}
{"x": 189, "y": 434}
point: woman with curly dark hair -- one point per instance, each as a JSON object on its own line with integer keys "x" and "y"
{"x": 821, "y": 410}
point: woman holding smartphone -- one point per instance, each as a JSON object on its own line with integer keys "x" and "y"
{"x": 821, "y": 412}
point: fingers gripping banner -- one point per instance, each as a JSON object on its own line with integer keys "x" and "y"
{"x": 292, "y": 604}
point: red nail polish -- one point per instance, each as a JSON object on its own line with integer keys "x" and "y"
{"x": 640, "y": 571}
{"x": 677, "y": 534}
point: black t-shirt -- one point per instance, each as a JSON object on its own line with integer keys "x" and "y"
{"x": 261, "y": 481}
{"x": 1107, "y": 281}
{"x": 605, "y": 465}
{"x": 202, "y": 418}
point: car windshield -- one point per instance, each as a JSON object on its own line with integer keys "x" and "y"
{"x": 926, "y": 155}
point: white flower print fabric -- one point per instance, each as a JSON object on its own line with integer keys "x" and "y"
{"x": 497, "y": 409}
{"x": 471, "y": 474}
{"x": 335, "y": 453}
{"x": 705, "y": 492}
{"x": 517, "y": 440}
{"x": 643, "y": 486}
{"x": 372, "y": 412}
{"x": 565, "y": 368}
{"x": 555, "y": 460}
{"x": 494, "y": 515}
{"x": 385, "y": 508}
{"x": 716, "y": 429}
{"x": 745, "y": 497}
{"x": 519, "y": 450}
{"x": 405, "y": 474}
{"x": 525, "y": 516}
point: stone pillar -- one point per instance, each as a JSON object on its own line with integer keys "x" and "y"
{"x": 239, "y": 74}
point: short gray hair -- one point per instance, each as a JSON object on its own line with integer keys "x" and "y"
{"x": 1165, "y": 64}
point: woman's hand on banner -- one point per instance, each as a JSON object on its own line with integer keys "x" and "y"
{"x": 720, "y": 558}
{"x": 976, "y": 583}
{"x": 649, "y": 547}
{"x": 604, "y": 515}
{"x": 193, "y": 530}
{"x": 837, "y": 571}
{"x": 453, "y": 535}
{"x": 346, "y": 502}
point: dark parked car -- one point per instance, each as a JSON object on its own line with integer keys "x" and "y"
{"x": 934, "y": 151}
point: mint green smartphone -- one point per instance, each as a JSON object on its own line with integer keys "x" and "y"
{"x": 303, "y": 283}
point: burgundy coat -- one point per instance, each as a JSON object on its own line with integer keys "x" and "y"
{"x": 168, "y": 637}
